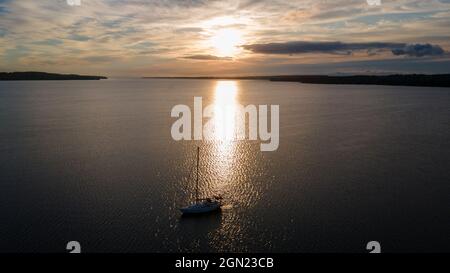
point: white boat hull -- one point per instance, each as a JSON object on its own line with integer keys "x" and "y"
{"x": 203, "y": 207}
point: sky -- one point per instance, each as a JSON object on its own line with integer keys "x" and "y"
{"x": 136, "y": 38}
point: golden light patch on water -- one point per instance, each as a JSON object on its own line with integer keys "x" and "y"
{"x": 229, "y": 167}
{"x": 222, "y": 153}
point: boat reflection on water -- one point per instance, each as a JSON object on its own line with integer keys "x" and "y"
{"x": 198, "y": 231}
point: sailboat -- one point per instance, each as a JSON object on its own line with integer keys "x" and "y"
{"x": 201, "y": 205}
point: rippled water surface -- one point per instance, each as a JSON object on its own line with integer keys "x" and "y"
{"x": 94, "y": 161}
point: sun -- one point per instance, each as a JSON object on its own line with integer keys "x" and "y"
{"x": 226, "y": 42}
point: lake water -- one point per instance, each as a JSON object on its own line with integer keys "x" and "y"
{"x": 94, "y": 162}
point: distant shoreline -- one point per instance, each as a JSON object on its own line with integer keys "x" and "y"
{"x": 435, "y": 80}
{"x": 43, "y": 76}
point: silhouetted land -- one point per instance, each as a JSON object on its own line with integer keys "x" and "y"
{"x": 41, "y": 76}
{"x": 437, "y": 80}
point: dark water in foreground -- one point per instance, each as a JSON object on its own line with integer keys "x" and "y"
{"x": 95, "y": 162}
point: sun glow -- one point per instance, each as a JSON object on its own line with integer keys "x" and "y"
{"x": 226, "y": 42}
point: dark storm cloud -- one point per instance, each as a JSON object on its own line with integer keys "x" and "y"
{"x": 302, "y": 47}
{"x": 207, "y": 58}
{"x": 419, "y": 50}
{"x": 299, "y": 47}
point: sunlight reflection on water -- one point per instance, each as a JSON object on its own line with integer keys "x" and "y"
{"x": 225, "y": 101}
{"x": 228, "y": 167}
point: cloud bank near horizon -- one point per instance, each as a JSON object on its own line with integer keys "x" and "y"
{"x": 304, "y": 47}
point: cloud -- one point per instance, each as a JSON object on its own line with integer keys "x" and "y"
{"x": 207, "y": 58}
{"x": 100, "y": 59}
{"x": 77, "y": 37}
{"x": 419, "y": 50}
{"x": 303, "y": 47}
{"x": 16, "y": 53}
{"x": 188, "y": 29}
{"x": 137, "y": 34}
{"x": 49, "y": 42}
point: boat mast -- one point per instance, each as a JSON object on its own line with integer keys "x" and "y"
{"x": 196, "y": 182}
